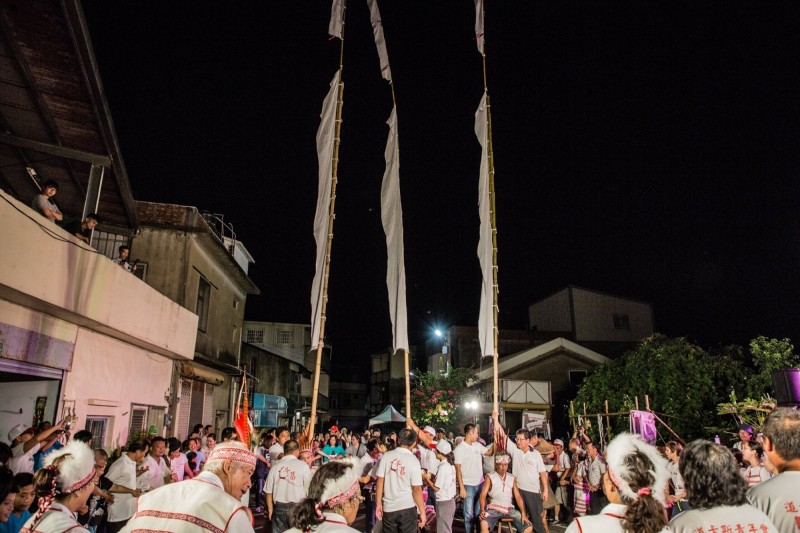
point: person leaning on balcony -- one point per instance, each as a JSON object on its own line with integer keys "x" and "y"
{"x": 44, "y": 204}
{"x": 83, "y": 230}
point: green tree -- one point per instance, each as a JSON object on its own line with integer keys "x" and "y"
{"x": 768, "y": 356}
{"x": 436, "y": 397}
{"x": 678, "y": 376}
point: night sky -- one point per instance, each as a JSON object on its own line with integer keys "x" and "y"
{"x": 647, "y": 149}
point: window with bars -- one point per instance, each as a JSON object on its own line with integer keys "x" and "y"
{"x": 97, "y": 426}
{"x": 254, "y": 336}
{"x": 138, "y": 421}
{"x": 622, "y": 322}
{"x": 203, "y": 301}
{"x": 284, "y": 337}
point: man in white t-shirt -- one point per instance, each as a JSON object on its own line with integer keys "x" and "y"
{"x": 157, "y": 470}
{"x": 469, "y": 474}
{"x": 528, "y": 468}
{"x": 122, "y": 473}
{"x": 276, "y": 450}
{"x": 398, "y": 492}
{"x": 287, "y": 484}
{"x": 25, "y": 443}
{"x": 779, "y": 497}
{"x": 561, "y": 468}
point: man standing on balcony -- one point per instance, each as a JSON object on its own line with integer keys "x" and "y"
{"x": 44, "y": 204}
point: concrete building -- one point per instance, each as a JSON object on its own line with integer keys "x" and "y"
{"x": 349, "y": 405}
{"x": 283, "y": 363}
{"x": 606, "y": 323}
{"x": 538, "y": 381}
{"x": 387, "y": 379}
{"x": 79, "y": 336}
{"x": 194, "y": 259}
{"x": 459, "y": 347}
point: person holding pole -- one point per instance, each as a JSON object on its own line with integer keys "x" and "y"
{"x": 529, "y": 470}
{"x": 398, "y": 492}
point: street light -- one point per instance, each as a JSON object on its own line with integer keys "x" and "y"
{"x": 472, "y": 405}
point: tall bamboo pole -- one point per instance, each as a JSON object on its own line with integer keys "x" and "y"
{"x": 493, "y": 217}
{"x": 331, "y": 217}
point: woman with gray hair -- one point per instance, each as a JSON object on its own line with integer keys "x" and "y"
{"x": 716, "y": 492}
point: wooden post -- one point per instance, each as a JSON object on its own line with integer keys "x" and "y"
{"x": 408, "y": 385}
{"x": 572, "y": 417}
{"x": 608, "y": 418}
{"x": 637, "y": 402}
{"x": 647, "y": 402}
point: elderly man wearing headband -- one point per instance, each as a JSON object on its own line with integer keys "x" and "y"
{"x": 636, "y": 486}
{"x": 209, "y": 502}
{"x": 502, "y": 489}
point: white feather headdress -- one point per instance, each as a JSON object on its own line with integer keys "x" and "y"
{"x": 625, "y": 445}
{"x": 338, "y": 491}
{"x": 75, "y": 471}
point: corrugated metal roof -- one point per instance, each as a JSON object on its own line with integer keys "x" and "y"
{"x": 54, "y": 116}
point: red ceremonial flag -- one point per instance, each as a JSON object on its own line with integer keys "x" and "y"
{"x": 242, "y": 422}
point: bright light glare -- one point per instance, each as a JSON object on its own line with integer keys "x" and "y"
{"x": 438, "y": 332}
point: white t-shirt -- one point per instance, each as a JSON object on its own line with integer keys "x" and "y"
{"x": 367, "y": 465}
{"x": 779, "y": 498}
{"x": 122, "y": 472}
{"x": 156, "y": 470}
{"x": 608, "y": 521}
{"x": 677, "y": 479}
{"x": 470, "y": 458}
{"x": 526, "y": 467}
{"x": 274, "y": 451}
{"x": 288, "y": 480}
{"x": 22, "y": 461}
{"x": 757, "y": 474}
{"x": 733, "y": 518}
{"x": 400, "y": 471}
{"x": 177, "y": 466}
{"x": 446, "y": 481}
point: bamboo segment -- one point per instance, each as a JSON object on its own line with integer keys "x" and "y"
{"x": 408, "y": 384}
{"x": 331, "y": 217}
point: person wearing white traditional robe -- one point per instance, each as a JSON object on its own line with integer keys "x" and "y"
{"x": 209, "y": 502}
{"x": 636, "y": 480}
{"x": 64, "y": 485}
{"x": 332, "y": 502}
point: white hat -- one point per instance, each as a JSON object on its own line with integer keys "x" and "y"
{"x": 16, "y": 431}
{"x": 76, "y": 470}
{"x": 558, "y": 442}
{"x": 625, "y": 445}
{"x": 444, "y": 447}
{"x": 430, "y": 431}
{"x": 233, "y": 450}
{"x": 341, "y": 490}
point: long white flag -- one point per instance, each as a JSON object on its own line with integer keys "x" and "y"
{"x": 485, "y": 246}
{"x": 380, "y": 41}
{"x": 336, "y": 23}
{"x": 479, "y": 24}
{"x": 325, "y": 139}
{"x": 392, "y": 218}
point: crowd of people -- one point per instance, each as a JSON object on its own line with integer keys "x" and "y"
{"x": 409, "y": 480}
